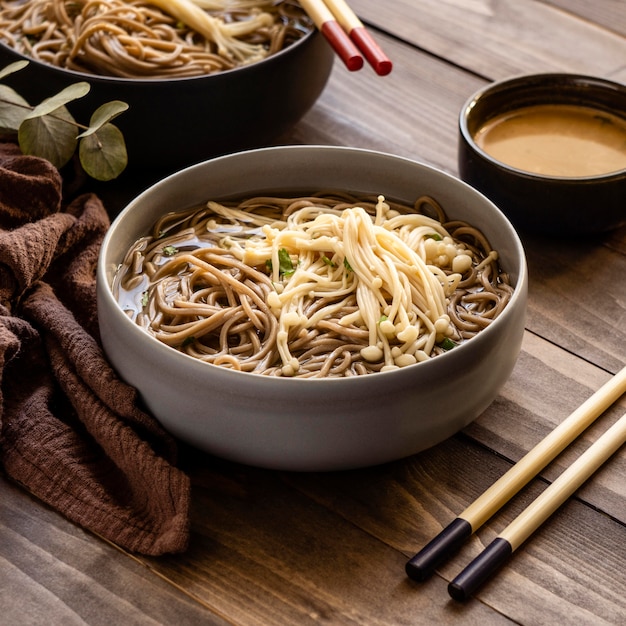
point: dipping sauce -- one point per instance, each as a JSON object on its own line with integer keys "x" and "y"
{"x": 557, "y": 140}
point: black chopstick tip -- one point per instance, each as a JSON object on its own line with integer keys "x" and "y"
{"x": 457, "y": 592}
{"x": 448, "y": 541}
{"x": 491, "y": 559}
{"x": 416, "y": 571}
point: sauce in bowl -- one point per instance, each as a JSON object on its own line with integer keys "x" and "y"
{"x": 557, "y": 140}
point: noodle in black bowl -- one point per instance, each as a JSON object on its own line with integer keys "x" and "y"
{"x": 180, "y": 117}
{"x": 301, "y": 407}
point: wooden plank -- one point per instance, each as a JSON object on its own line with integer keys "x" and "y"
{"x": 265, "y": 554}
{"x": 345, "y": 538}
{"x": 412, "y": 112}
{"x": 609, "y": 13}
{"x": 577, "y": 297}
{"x": 53, "y": 572}
{"x": 498, "y": 39}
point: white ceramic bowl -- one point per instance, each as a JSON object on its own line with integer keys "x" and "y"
{"x": 313, "y": 424}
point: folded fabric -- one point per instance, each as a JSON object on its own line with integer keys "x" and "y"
{"x": 71, "y": 432}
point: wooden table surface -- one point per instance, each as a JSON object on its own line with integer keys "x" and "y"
{"x": 280, "y": 548}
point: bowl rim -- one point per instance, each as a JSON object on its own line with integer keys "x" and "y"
{"x": 440, "y": 361}
{"x": 121, "y": 80}
{"x": 519, "y": 82}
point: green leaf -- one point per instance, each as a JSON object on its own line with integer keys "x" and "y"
{"x": 48, "y": 130}
{"x": 12, "y": 68}
{"x": 103, "y": 115}
{"x": 49, "y": 105}
{"x": 286, "y": 267}
{"x": 103, "y": 154}
{"x": 50, "y": 137}
{"x": 13, "y": 108}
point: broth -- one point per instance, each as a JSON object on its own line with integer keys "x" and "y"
{"x": 557, "y": 140}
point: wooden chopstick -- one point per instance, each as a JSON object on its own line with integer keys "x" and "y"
{"x": 359, "y": 35}
{"x": 450, "y": 539}
{"x": 341, "y": 43}
{"x": 501, "y": 548}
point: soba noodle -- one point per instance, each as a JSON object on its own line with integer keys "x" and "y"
{"x": 135, "y": 39}
{"x": 312, "y": 286}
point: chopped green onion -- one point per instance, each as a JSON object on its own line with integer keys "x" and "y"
{"x": 170, "y": 250}
{"x": 286, "y": 267}
{"x": 447, "y": 344}
{"x": 435, "y": 236}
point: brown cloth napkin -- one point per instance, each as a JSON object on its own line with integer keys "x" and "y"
{"x": 71, "y": 432}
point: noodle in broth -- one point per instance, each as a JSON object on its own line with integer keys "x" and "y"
{"x": 137, "y": 39}
{"x": 327, "y": 285}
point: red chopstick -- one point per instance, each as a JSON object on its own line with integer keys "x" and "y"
{"x": 334, "y": 33}
{"x": 347, "y": 35}
{"x": 363, "y": 40}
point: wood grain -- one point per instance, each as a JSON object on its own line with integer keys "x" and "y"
{"x": 525, "y": 37}
{"x": 577, "y": 297}
{"x": 413, "y": 112}
{"x": 52, "y": 572}
{"x": 345, "y": 537}
{"x": 320, "y": 567}
{"x": 611, "y": 14}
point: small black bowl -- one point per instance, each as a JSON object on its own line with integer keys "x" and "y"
{"x": 551, "y": 204}
{"x": 173, "y": 123}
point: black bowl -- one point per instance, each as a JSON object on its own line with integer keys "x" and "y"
{"x": 556, "y": 205}
{"x": 172, "y": 123}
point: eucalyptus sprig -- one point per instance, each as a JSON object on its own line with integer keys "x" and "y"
{"x": 50, "y": 131}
